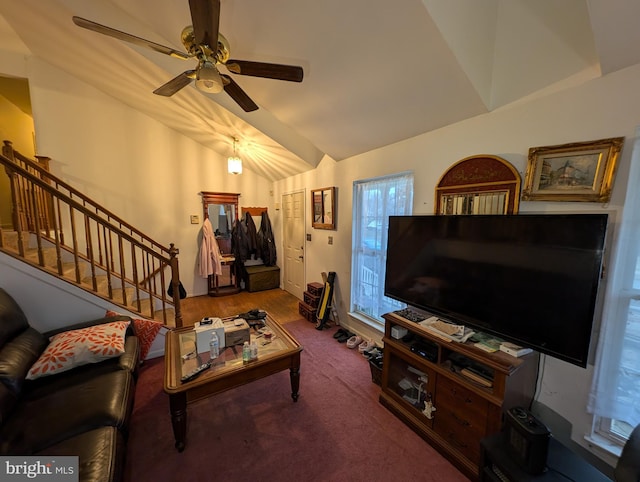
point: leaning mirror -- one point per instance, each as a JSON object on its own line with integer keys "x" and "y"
{"x": 323, "y": 203}
{"x": 222, "y": 210}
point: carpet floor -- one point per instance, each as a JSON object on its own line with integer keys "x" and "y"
{"x": 336, "y": 431}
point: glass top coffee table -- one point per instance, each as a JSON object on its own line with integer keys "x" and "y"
{"x": 227, "y": 371}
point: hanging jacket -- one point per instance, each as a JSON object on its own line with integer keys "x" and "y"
{"x": 239, "y": 241}
{"x": 210, "y": 258}
{"x": 266, "y": 242}
{"x": 252, "y": 233}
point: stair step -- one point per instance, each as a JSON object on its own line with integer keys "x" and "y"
{"x": 10, "y": 239}
{"x": 102, "y": 283}
{"x": 49, "y": 254}
{"x": 118, "y": 294}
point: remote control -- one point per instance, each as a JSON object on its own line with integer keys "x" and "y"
{"x": 191, "y": 375}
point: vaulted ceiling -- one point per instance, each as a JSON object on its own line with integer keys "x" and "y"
{"x": 376, "y": 71}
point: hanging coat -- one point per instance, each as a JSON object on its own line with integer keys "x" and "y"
{"x": 266, "y": 242}
{"x": 210, "y": 258}
{"x": 239, "y": 241}
{"x": 252, "y": 233}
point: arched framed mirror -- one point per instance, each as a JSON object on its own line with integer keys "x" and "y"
{"x": 483, "y": 184}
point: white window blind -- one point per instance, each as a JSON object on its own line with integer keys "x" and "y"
{"x": 374, "y": 200}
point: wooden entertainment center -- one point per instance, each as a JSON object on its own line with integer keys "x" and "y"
{"x": 466, "y": 408}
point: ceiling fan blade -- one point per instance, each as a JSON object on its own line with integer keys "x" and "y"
{"x": 292, "y": 73}
{"x": 112, "y": 32}
{"x": 237, "y": 94}
{"x": 205, "y": 18}
{"x": 175, "y": 84}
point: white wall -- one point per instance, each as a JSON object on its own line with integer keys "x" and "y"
{"x": 139, "y": 169}
{"x": 602, "y": 108}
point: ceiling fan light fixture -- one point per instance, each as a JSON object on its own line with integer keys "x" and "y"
{"x": 234, "y": 163}
{"x": 208, "y": 78}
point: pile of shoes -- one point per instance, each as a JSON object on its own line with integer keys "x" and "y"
{"x": 374, "y": 355}
{"x": 355, "y": 341}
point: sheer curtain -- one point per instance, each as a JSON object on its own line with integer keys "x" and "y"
{"x": 615, "y": 392}
{"x": 374, "y": 200}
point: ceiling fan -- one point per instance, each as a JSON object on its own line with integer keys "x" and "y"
{"x": 203, "y": 41}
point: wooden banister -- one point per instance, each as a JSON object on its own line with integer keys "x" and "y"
{"x": 53, "y": 211}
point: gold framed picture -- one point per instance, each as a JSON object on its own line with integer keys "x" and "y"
{"x": 581, "y": 171}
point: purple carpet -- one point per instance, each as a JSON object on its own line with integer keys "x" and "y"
{"x": 337, "y": 431}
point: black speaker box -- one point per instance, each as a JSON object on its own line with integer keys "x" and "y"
{"x": 526, "y": 440}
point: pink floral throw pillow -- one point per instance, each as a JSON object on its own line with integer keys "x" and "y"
{"x": 73, "y": 348}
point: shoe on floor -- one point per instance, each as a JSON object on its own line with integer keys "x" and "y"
{"x": 344, "y": 336}
{"x": 372, "y": 352}
{"x": 354, "y": 341}
{"x": 366, "y": 346}
{"x": 339, "y": 333}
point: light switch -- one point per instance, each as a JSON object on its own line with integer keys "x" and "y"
{"x": 195, "y": 219}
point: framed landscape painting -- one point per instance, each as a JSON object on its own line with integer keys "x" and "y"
{"x": 581, "y": 171}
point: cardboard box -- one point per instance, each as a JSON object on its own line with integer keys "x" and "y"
{"x": 236, "y": 332}
{"x": 203, "y": 334}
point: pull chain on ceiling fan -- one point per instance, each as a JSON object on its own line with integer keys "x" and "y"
{"x": 198, "y": 40}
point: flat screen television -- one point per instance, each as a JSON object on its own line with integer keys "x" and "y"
{"x": 531, "y": 279}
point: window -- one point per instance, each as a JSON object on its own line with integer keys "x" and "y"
{"x": 374, "y": 200}
{"x": 615, "y": 393}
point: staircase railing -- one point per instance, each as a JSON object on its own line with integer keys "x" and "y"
{"x": 73, "y": 234}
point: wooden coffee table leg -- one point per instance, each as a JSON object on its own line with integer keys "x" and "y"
{"x": 178, "y": 407}
{"x": 294, "y": 375}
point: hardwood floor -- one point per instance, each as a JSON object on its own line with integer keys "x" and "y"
{"x": 280, "y": 305}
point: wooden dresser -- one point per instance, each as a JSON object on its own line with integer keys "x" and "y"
{"x": 426, "y": 368}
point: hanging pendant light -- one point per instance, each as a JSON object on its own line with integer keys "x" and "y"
{"x": 234, "y": 163}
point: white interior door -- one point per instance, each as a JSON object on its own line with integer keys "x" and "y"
{"x": 293, "y": 208}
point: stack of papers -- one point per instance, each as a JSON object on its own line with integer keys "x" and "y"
{"x": 447, "y": 331}
{"x": 486, "y": 342}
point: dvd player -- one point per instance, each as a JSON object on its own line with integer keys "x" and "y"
{"x": 425, "y": 349}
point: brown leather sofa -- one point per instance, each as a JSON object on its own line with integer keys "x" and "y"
{"x": 84, "y": 411}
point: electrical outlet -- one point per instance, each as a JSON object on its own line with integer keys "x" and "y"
{"x": 195, "y": 219}
{"x": 330, "y": 239}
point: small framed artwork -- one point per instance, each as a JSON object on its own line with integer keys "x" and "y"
{"x": 581, "y": 171}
